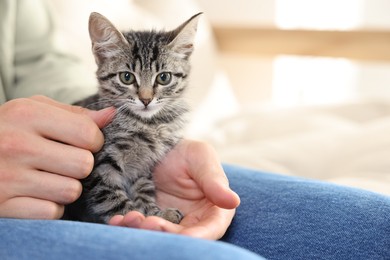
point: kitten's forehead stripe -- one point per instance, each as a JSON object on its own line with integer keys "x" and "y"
{"x": 157, "y": 64}
{"x": 155, "y": 53}
{"x": 135, "y": 49}
{"x": 146, "y": 49}
{"x": 133, "y": 66}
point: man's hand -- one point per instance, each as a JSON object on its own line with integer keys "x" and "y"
{"x": 45, "y": 147}
{"x": 191, "y": 179}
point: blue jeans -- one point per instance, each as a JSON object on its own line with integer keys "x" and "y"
{"x": 280, "y": 217}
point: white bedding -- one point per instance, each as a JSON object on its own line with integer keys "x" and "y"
{"x": 347, "y": 144}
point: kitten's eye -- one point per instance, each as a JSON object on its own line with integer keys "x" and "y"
{"x": 164, "y": 78}
{"x": 127, "y": 78}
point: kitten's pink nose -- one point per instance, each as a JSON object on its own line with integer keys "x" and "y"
{"x": 146, "y": 101}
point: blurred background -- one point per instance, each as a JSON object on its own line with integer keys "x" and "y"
{"x": 307, "y": 52}
{"x": 292, "y": 87}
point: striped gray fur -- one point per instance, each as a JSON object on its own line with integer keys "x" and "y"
{"x": 143, "y": 74}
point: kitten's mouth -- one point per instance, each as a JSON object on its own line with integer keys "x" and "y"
{"x": 147, "y": 111}
{"x": 147, "y": 107}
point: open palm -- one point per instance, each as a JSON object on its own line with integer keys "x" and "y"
{"x": 191, "y": 179}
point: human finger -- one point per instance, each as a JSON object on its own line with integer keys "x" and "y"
{"x": 54, "y": 123}
{"x": 46, "y": 186}
{"x": 159, "y": 224}
{"x": 32, "y": 151}
{"x": 116, "y": 220}
{"x": 131, "y": 219}
{"x": 69, "y": 161}
{"x": 212, "y": 225}
{"x": 101, "y": 117}
{"x": 31, "y": 208}
{"x": 205, "y": 168}
{"x": 135, "y": 219}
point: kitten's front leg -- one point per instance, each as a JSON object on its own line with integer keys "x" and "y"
{"x": 105, "y": 201}
{"x": 145, "y": 201}
{"x": 171, "y": 214}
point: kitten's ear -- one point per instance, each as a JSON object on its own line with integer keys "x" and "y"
{"x": 183, "y": 37}
{"x": 106, "y": 39}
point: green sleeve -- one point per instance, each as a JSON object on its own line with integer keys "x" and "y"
{"x": 39, "y": 67}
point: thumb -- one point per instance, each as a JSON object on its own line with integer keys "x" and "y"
{"x": 207, "y": 171}
{"x": 217, "y": 190}
{"x": 102, "y": 117}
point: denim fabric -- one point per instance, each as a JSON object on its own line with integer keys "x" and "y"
{"x": 280, "y": 217}
{"x": 283, "y": 217}
{"x": 37, "y": 239}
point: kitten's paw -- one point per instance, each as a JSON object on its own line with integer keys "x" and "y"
{"x": 171, "y": 214}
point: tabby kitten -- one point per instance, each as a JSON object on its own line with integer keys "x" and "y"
{"x": 143, "y": 75}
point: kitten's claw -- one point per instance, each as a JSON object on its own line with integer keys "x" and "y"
{"x": 171, "y": 214}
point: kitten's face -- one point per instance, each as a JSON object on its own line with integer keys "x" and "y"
{"x": 144, "y": 72}
{"x": 144, "y": 77}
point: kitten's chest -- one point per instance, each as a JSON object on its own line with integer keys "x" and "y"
{"x": 136, "y": 147}
{"x": 133, "y": 129}
{"x": 134, "y": 139}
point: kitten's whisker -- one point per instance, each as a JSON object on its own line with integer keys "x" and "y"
{"x": 99, "y": 103}
{"x": 120, "y": 110}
